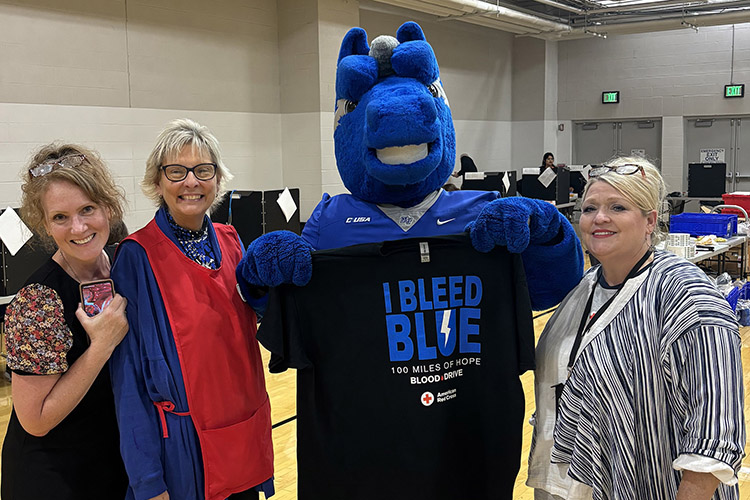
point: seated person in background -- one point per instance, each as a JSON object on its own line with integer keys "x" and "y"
{"x": 548, "y": 161}
{"x": 467, "y": 165}
{"x": 62, "y": 440}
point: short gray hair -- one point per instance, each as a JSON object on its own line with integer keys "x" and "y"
{"x": 645, "y": 192}
{"x": 178, "y": 134}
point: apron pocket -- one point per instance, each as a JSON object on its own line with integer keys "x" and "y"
{"x": 239, "y": 456}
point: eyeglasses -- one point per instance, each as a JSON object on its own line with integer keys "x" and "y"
{"x": 628, "y": 169}
{"x": 202, "y": 172}
{"x": 70, "y": 161}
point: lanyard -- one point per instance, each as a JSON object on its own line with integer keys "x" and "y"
{"x": 582, "y": 328}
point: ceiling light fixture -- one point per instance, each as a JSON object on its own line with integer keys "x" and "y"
{"x": 689, "y": 25}
{"x": 595, "y": 33}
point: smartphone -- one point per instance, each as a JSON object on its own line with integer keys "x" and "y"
{"x": 96, "y": 295}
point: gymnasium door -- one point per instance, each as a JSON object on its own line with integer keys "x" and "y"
{"x": 722, "y": 134}
{"x": 596, "y": 142}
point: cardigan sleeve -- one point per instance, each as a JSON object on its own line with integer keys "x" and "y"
{"x": 140, "y": 433}
{"x": 707, "y": 367}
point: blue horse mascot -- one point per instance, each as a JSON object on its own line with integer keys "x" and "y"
{"x": 395, "y": 147}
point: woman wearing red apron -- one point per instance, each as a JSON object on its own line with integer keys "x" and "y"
{"x": 188, "y": 379}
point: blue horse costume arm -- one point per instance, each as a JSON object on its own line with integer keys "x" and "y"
{"x": 395, "y": 147}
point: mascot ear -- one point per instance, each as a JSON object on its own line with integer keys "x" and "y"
{"x": 354, "y": 43}
{"x": 416, "y": 60}
{"x": 355, "y": 75}
{"x": 410, "y": 31}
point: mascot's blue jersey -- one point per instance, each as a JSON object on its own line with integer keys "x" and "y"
{"x": 344, "y": 220}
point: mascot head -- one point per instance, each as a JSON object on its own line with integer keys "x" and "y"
{"x": 393, "y": 130}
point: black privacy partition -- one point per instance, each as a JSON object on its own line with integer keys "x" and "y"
{"x": 274, "y": 216}
{"x": 17, "y": 268}
{"x": 253, "y": 213}
{"x": 491, "y": 181}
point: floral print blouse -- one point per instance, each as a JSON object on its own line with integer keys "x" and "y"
{"x": 37, "y": 337}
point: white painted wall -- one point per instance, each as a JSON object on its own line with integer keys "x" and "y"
{"x": 674, "y": 75}
{"x": 110, "y": 77}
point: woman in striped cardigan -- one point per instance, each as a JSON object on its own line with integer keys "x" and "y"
{"x": 639, "y": 391}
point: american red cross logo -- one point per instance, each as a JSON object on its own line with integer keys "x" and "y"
{"x": 427, "y": 398}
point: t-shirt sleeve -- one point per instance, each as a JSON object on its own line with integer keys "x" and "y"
{"x": 311, "y": 231}
{"x": 37, "y": 337}
{"x": 281, "y": 331}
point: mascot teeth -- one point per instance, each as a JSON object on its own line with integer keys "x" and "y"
{"x": 402, "y": 155}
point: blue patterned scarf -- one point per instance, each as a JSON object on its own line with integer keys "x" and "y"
{"x": 194, "y": 244}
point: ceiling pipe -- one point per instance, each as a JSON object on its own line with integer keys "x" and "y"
{"x": 657, "y": 25}
{"x": 504, "y": 14}
{"x": 561, "y": 6}
{"x": 648, "y": 5}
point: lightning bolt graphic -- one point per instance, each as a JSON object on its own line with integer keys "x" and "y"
{"x": 446, "y": 329}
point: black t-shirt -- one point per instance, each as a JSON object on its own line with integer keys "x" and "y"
{"x": 407, "y": 371}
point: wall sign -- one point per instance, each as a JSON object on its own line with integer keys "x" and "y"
{"x": 712, "y": 155}
{"x": 734, "y": 90}
{"x": 611, "y": 97}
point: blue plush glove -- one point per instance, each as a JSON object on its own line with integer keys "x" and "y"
{"x": 514, "y": 222}
{"x": 277, "y": 258}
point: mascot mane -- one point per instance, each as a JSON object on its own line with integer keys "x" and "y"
{"x": 393, "y": 132}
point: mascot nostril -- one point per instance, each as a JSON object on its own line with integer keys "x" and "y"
{"x": 395, "y": 147}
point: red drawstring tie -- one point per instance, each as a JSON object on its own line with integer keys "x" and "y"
{"x": 168, "y": 407}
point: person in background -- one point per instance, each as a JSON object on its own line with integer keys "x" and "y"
{"x": 62, "y": 440}
{"x": 467, "y": 165}
{"x": 548, "y": 161}
{"x": 188, "y": 380}
{"x": 639, "y": 389}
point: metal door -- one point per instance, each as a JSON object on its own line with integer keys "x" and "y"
{"x": 714, "y": 133}
{"x": 594, "y": 142}
{"x": 641, "y": 136}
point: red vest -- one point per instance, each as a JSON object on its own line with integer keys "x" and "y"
{"x": 214, "y": 331}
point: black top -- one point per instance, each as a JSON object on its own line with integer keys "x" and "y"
{"x": 467, "y": 165}
{"x": 79, "y": 459}
{"x": 408, "y": 382}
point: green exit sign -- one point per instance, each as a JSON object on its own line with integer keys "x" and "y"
{"x": 734, "y": 90}
{"x": 611, "y": 97}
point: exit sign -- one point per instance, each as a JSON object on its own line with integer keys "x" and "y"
{"x": 734, "y": 90}
{"x": 611, "y": 97}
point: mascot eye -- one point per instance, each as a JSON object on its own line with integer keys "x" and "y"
{"x": 343, "y": 107}
{"x": 437, "y": 91}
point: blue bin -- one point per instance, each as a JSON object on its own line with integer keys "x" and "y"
{"x": 723, "y": 225}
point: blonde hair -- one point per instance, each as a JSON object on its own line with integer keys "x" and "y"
{"x": 92, "y": 176}
{"x": 645, "y": 192}
{"x": 177, "y": 135}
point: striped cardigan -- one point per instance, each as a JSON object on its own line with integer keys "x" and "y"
{"x": 658, "y": 377}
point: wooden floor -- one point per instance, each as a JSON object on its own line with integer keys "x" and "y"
{"x": 282, "y": 389}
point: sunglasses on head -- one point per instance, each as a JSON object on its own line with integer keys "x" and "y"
{"x": 627, "y": 169}
{"x": 47, "y": 166}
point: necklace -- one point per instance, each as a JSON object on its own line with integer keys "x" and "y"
{"x": 75, "y": 274}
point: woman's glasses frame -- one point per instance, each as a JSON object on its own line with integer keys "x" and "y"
{"x": 627, "y": 169}
{"x": 178, "y": 173}
{"x": 47, "y": 166}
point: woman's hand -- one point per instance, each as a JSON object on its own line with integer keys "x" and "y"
{"x": 163, "y": 496}
{"x": 107, "y": 328}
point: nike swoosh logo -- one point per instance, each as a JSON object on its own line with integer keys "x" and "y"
{"x": 441, "y": 222}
